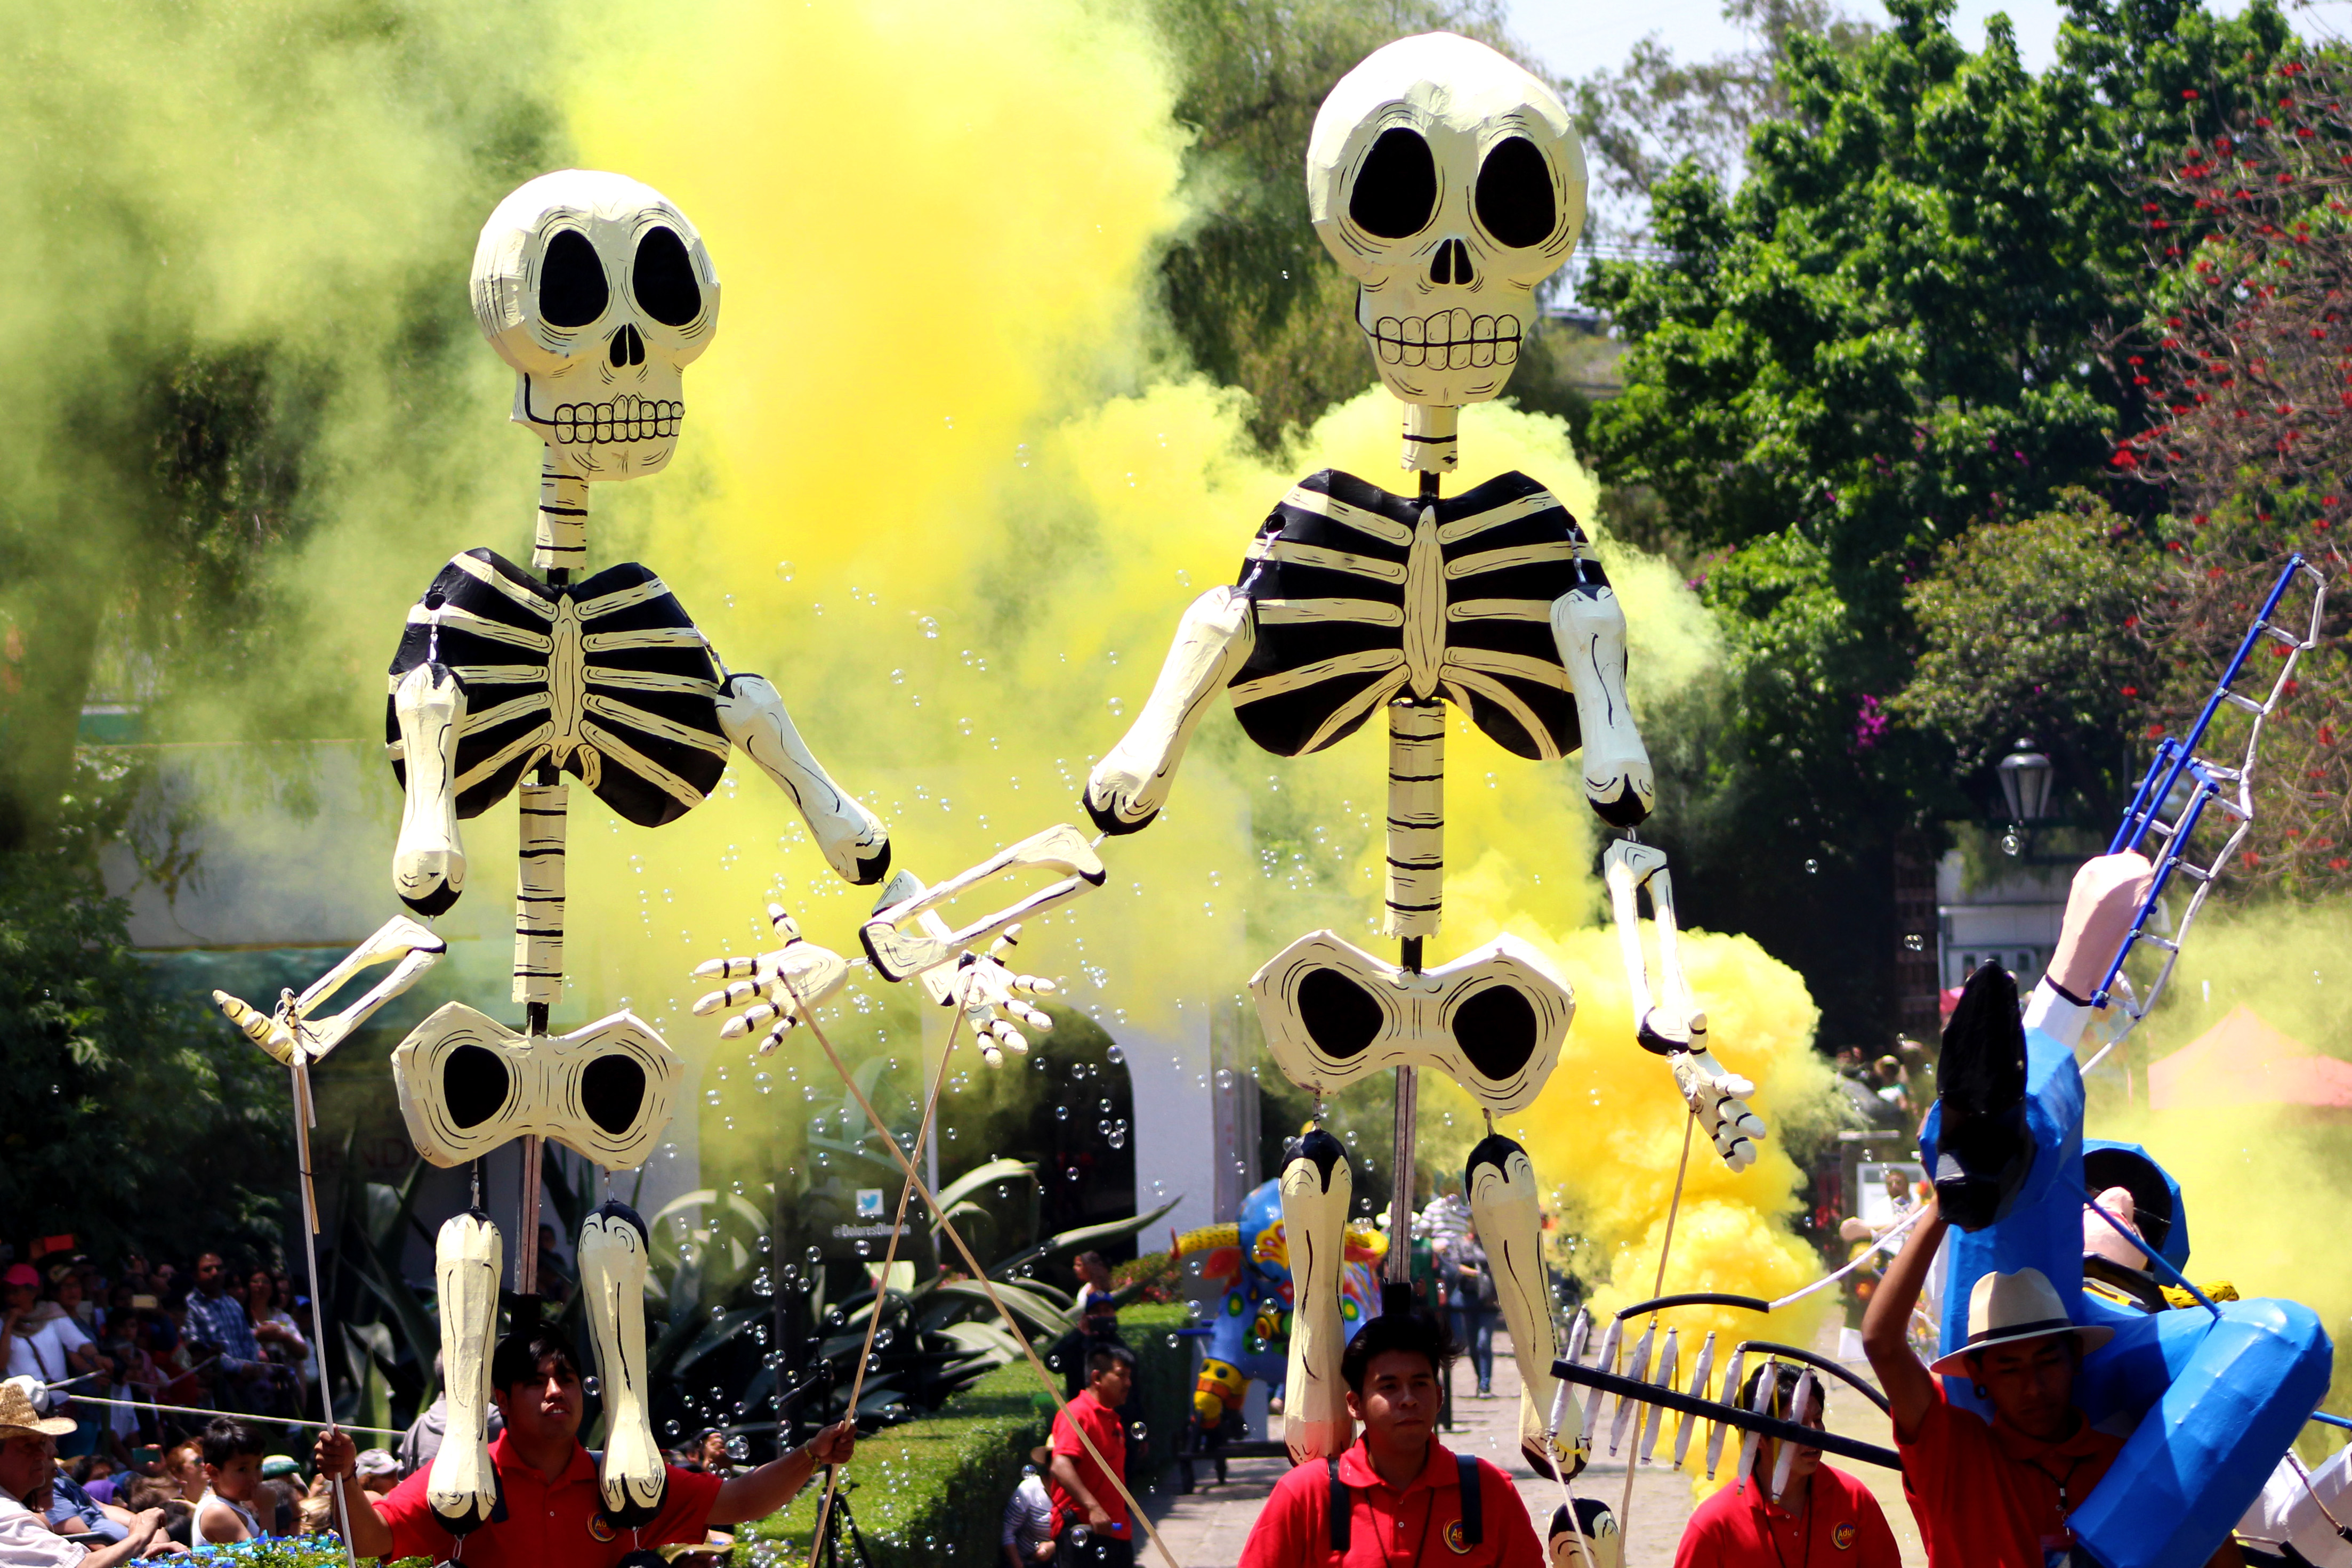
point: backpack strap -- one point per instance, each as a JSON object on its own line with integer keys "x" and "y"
{"x": 1473, "y": 1498}
{"x": 1342, "y": 1505}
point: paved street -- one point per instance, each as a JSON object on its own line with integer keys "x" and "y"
{"x": 1206, "y": 1530}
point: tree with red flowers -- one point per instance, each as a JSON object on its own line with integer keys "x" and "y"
{"x": 2249, "y": 370}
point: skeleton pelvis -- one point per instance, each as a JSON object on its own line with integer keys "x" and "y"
{"x": 1493, "y": 1020}
{"x": 467, "y": 1083}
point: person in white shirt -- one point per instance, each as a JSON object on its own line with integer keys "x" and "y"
{"x": 1027, "y": 1537}
{"x": 28, "y": 1462}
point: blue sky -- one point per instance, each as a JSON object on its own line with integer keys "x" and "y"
{"x": 1577, "y": 37}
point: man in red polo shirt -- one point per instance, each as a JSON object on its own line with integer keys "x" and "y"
{"x": 1402, "y": 1487}
{"x": 550, "y": 1514}
{"x": 1825, "y": 1518}
{"x": 1091, "y": 1514}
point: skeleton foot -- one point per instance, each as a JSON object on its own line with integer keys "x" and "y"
{"x": 854, "y": 841}
{"x": 1316, "y": 1191}
{"x": 1505, "y": 1207}
{"x": 1672, "y": 1026}
{"x": 612, "y": 1248}
{"x": 462, "y": 1488}
{"x": 428, "y": 863}
{"x": 1589, "y": 626}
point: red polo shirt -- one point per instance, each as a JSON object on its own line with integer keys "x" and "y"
{"x": 1740, "y": 1527}
{"x": 548, "y": 1524}
{"x": 1388, "y": 1528}
{"x": 1101, "y": 1423}
{"x": 1987, "y": 1496}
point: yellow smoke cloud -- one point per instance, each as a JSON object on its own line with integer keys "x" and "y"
{"x": 2258, "y": 1182}
{"x": 936, "y": 482}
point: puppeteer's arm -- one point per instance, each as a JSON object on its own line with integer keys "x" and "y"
{"x": 1129, "y": 787}
{"x": 853, "y": 838}
{"x": 1589, "y": 627}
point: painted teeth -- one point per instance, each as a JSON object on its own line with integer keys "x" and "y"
{"x": 623, "y": 419}
{"x": 1449, "y": 341}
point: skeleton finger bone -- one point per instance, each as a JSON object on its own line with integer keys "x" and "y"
{"x": 1589, "y": 626}
{"x": 1317, "y": 1189}
{"x": 854, "y": 840}
{"x": 613, "y": 1245}
{"x": 898, "y": 953}
{"x": 428, "y": 861}
{"x": 462, "y": 1488}
{"x": 1130, "y": 784}
{"x": 1713, "y": 1097}
{"x": 292, "y": 1034}
{"x": 1506, "y": 1209}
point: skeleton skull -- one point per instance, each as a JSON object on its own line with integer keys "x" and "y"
{"x": 599, "y": 293}
{"x": 1451, "y": 184}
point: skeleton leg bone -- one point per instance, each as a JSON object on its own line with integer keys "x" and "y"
{"x": 614, "y": 1246}
{"x": 462, "y": 1488}
{"x": 1589, "y": 627}
{"x": 854, "y": 840}
{"x": 1506, "y": 1209}
{"x": 428, "y": 861}
{"x": 1316, "y": 1189}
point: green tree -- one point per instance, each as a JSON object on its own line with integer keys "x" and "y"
{"x": 2038, "y": 628}
{"x": 1891, "y": 333}
{"x": 135, "y": 1121}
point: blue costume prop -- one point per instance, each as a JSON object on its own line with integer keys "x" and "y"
{"x": 1249, "y": 1340}
{"x": 2217, "y": 1397}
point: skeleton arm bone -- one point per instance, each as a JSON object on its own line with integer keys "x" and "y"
{"x": 428, "y": 863}
{"x": 1589, "y": 626}
{"x": 1129, "y": 787}
{"x": 853, "y": 838}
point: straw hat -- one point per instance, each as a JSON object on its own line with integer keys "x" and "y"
{"x": 19, "y": 1413}
{"x": 2006, "y": 1308}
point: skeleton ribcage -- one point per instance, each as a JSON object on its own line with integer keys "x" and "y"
{"x": 607, "y": 679}
{"x": 1359, "y": 598}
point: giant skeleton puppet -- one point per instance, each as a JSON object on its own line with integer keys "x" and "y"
{"x": 599, "y": 293}
{"x": 1450, "y": 182}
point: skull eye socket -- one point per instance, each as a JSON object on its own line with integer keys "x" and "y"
{"x": 571, "y": 288}
{"x": 663, "y": 279}
{"x": 1396, "y": 189}
{"x": 1341, "y": 1016}
{"x": 1513, "y": 198}
{"x": 612, "y": 1093}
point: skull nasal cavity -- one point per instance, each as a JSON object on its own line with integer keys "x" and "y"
{"x": 572, "y": 288}
{"x": 1396, "y": 189}
{"x": 663, "y": 279}
{"x": 1513, "y": 198}
{"x": 1451, "y": 264}
{"x": 628, "y": 347}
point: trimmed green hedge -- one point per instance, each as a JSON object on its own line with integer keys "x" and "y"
{"x": 933, "y": 1490}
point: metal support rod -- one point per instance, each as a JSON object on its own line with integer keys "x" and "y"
{"x": 1398, "y": 1266}
{"x": 305, "y": 1115}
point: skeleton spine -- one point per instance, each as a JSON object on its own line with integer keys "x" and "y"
{"x": 1416, "y": 836}
{"x": 539, "y": 896}
{"x": 560, "y": 540}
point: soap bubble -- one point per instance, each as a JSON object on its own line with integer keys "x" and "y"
{"x": 1811, "y": 867}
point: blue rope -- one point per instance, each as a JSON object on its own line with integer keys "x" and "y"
{"x": 2155, "y": 1262}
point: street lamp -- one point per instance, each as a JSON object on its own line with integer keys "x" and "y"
{"x": 2026, "y": 783}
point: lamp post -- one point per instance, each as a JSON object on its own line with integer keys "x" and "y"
{"x": 2025, "y": 779}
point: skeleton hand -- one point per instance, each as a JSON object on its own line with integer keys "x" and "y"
{"x": 982, "y": 983}
{"x": 792, "y": 980}
{"x": 1716, "y": 1098}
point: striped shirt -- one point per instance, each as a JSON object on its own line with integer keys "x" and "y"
{"x": 1028, "y": 1516}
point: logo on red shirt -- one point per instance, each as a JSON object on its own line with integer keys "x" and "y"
{"x": 1457, "y": 1541}
{"x": 1843, "y": 1537}
{"x": 598, "y": 1528}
